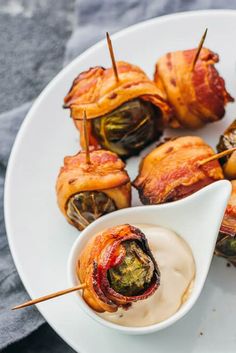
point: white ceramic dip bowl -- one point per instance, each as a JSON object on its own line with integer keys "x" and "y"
{"x": 196, "y": 219}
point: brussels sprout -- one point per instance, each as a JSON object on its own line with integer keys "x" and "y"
{"x": 226, "y": 246}
{"x": 84, "y": 207}
{"x": 226, "y": 142}
{"x": 134, "y": 274}
{"x": 127, "y": 129}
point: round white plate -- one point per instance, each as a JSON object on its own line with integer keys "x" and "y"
{"x": 39, "y": 237}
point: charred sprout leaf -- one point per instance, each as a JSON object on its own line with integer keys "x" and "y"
{"x": 226, "y": 142}
{"x": 134, "y": 274}
{"x": 226, "y": 246}
{"x": 228, "y": 139}
{"x": 85, "y": 207}
{"x": 127, "y": 129}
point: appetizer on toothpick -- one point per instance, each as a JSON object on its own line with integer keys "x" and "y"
{"x": 126, "y": 110}
{"x": 85, "y": 191}
{"x": 193, "y": 86}
{"x": 118, "y": 269}
{"x": 226, "y": 242}
{"x": 176, "y": 169}
{"x": 91, "y": 184}
{"x": 226, "y": 142}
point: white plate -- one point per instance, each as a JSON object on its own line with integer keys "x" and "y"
{"x": 39, "y": 237}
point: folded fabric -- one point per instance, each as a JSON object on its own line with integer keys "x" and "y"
{"x": 14, "y": 325}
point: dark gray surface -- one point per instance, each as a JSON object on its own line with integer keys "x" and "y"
{"x": 43, "y": 340}
{"x": 33, "y": 37}
{"x": 13, "y": 325}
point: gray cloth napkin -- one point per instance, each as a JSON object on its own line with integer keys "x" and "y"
{"x": 94, "y": 18}
{"x": 13, "y": 325}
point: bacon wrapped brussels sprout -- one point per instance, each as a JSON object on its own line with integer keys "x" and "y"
{"x": 118, "y": 269}
{"x": 85, "y": 191}
{"x": 226, "y": 242}
{"x": 171, "y": 171}
{"x": 123, "y": 116}
{"x": 228, "y": 141}
{"x": 198, "y": 96}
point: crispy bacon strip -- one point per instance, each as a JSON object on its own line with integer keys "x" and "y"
{"x": 229, "y": 222}
{"x": 103, "y": 252}
{"x": 105, "y": 173}
{"x": 171, "y": 172}
{"x": 227, "y": 141}
{"x": 98, "y": 92}
{"x": 226, "y": 243}
{"x": 197, "y": 96}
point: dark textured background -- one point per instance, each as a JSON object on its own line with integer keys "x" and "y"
{"x": 33, "y": 35}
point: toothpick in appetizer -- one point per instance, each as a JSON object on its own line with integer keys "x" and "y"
{"x": 226, "y": 242}
{"x": 193, "y": 86}
{"x": 227, "y": 142}
{"x": 126, "y": 111}
{"x": 173, "y": 170}
{"x": 116, "y": 268}
{"x": 85, "y": 191}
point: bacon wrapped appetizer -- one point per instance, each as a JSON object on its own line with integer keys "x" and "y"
{"x": 87, "y": 191}
{"x": 228, "y": 141}
{"x": 226, "y": 243}
{"x": 171, "y": 171}
{"x": 198, "y": 95}
{"x": 123, "y": 116}
{"x": 118, "y": 269}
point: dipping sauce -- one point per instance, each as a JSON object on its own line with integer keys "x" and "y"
{"x": 176, "y": 263}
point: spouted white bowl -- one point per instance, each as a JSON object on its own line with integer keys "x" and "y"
{"x": 196, "y": 218}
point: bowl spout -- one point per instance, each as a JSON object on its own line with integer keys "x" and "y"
{"x": 196, "y": 219}
{"x": 201, "y": 215}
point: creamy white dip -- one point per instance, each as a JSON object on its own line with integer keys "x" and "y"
{"x": 176, "y": 263}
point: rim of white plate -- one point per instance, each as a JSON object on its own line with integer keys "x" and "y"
{"x": 48, "y": 88}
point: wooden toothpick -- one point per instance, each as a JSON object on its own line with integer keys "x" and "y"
{"x": 50, "y": 296}
{"x": 216, "y": 156}
{"x": 109, "y": 43}
{"x": 200, "y": 45}
{"x": 86, "y": 140}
